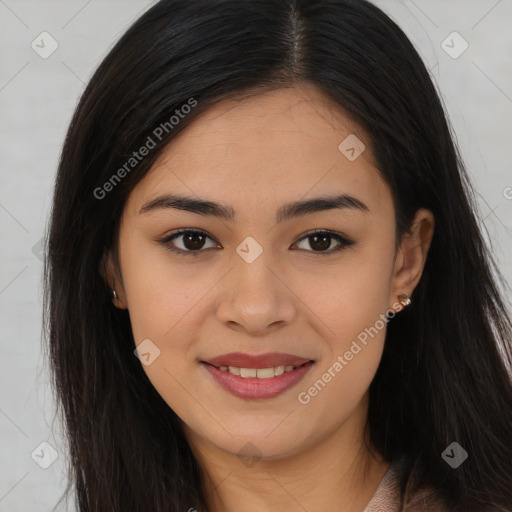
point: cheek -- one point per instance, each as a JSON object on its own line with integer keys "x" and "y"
{"x": 160, "y": 292}
{"x": 352, "y": 307}
{"x": 351, "y": 294}
{"x": 350, "y": 303}
{"x": 163, "y": 301}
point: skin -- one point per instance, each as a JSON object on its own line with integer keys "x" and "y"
{"x": 255, "y": 156}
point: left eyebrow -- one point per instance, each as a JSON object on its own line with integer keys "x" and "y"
{"x": 226, "y": 212}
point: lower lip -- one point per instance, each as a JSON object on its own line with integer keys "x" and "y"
{"x": 254, "y": 388}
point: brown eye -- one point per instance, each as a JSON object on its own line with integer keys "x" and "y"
{"x": 193, "y": 241}
{"x": 187, "y": 241}
{"x": 320, "y": 241}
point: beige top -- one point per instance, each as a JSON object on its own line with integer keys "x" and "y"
{"x": 388, "y": 497}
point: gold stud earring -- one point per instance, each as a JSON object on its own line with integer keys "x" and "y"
{"x": 404, "y": 299}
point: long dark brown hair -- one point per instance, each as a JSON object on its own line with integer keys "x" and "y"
{"x": 441, "y": 379}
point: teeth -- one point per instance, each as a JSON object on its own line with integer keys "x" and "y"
{"x": 234, "y": 370}
{"x": 260, "y": 373}
{"x": 248, "y": 372}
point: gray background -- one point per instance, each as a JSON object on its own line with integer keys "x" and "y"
{"x": 37, "y": 98}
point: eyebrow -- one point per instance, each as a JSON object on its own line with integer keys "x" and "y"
{"x": 286, "y": 212}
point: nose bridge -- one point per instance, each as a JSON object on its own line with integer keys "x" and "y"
{"x": 256, "y": 296}
{"x": 254, "y": 261}
{"x": 254, "y": 281}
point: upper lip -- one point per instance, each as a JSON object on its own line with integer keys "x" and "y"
{"x": 271, "y": 359}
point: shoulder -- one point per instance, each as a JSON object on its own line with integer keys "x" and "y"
{"x": 399, "y": 492}
{"x": 424, "y": 500}
{"x": 417, "y": 497}
{"x": 402, "y": 490}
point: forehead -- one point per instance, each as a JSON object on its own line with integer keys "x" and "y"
{"x": 273, "y": 147}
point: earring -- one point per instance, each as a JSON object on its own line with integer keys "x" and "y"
{"x": 404, "y": 299}
{"x": 114, "y": 294}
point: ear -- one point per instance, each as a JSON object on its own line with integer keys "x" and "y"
{"x": 412, "y": 255}
{"x": 109, "y": 271}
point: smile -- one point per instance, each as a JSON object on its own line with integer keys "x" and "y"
{"x": 259, "y": 373}
{"x": 257, "y": 383}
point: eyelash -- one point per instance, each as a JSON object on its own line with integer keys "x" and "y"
{"x": 344, "y": 241}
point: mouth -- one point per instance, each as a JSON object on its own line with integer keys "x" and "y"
{"x": 258, "y": 373}
{"x": 258, "y": 381}
{"x": 266, "y": 361}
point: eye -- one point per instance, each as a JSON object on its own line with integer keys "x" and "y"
{"x": 320, "y": 240}
{"x": 190, "y": 241}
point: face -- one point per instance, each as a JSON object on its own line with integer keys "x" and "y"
{"x": 251, "y": 275}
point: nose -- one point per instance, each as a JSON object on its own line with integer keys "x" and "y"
{"x": 255, "y": 297}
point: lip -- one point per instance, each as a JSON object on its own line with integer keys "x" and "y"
{"x": 271, "y": 359}
{"x": 255, "y": 388}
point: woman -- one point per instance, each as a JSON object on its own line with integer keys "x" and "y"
{"x": 266, "y": 285}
